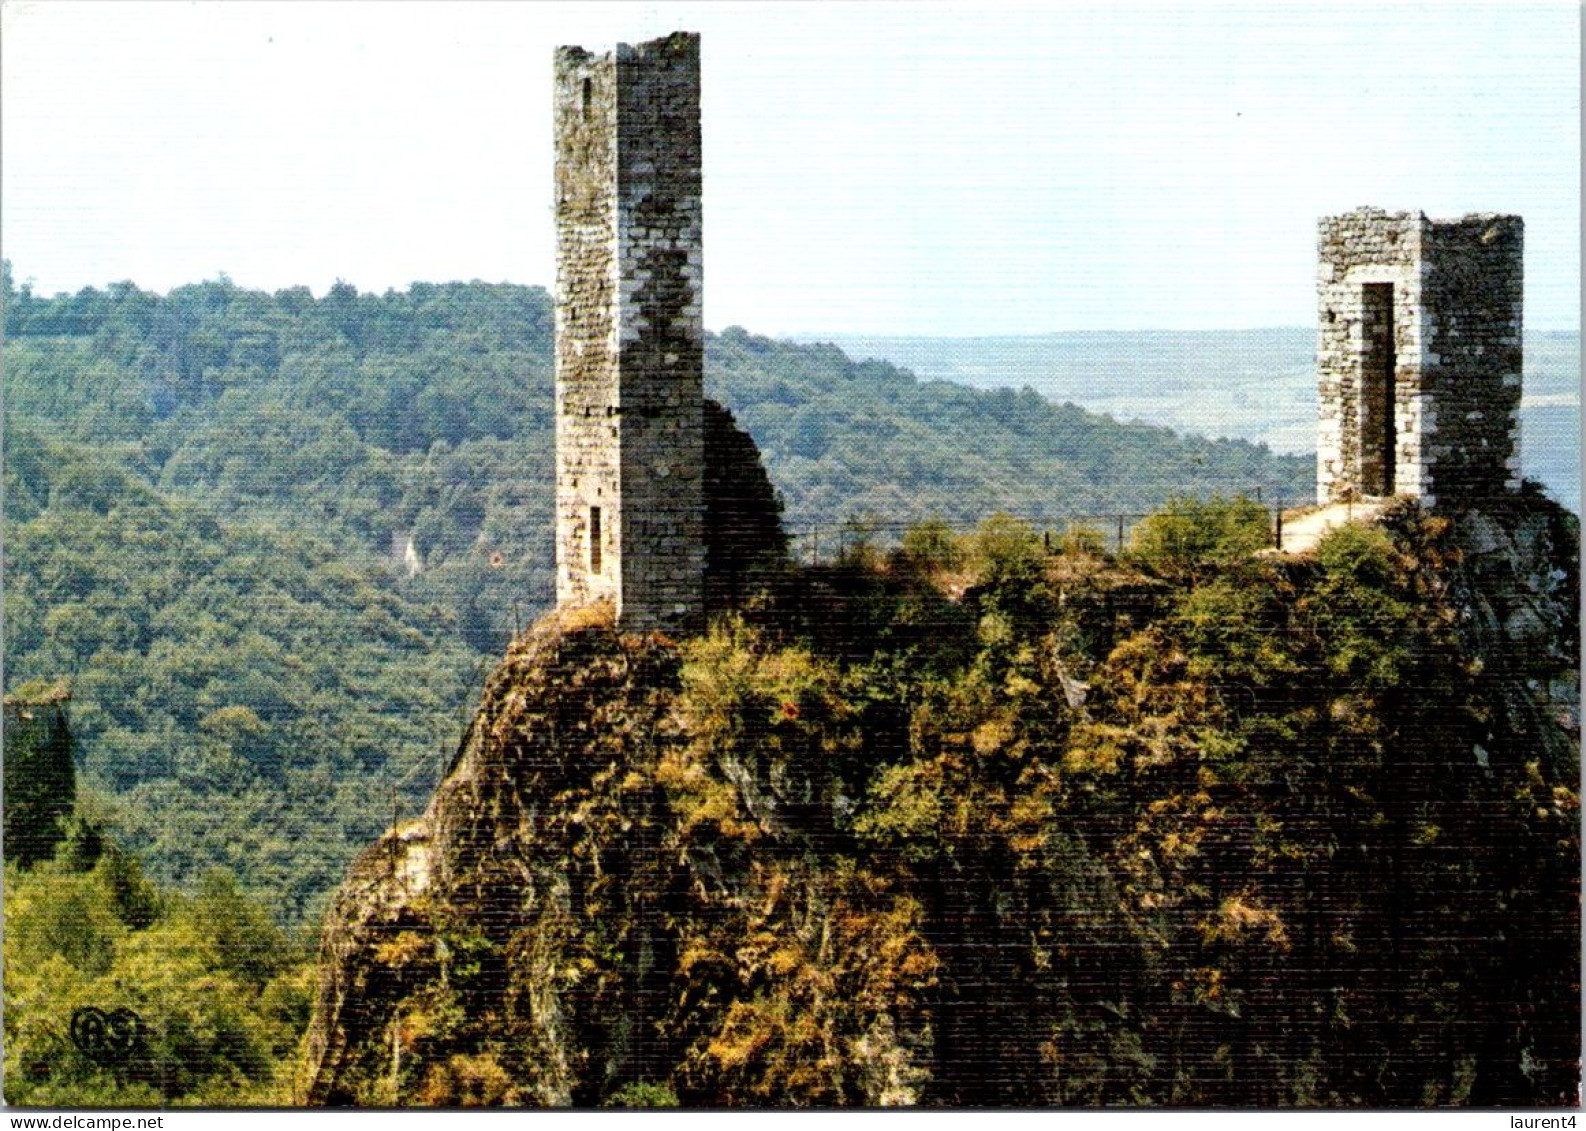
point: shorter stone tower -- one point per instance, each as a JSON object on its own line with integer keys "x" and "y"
{"x": 629, "y": 333}
{"x": 1418, "y": 356}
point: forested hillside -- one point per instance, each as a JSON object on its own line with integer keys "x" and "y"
{"x": 1257, "y": 385}
{"x": 119, "y": 992}
{"x": 203, "y": 488}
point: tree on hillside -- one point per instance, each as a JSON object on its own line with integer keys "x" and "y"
{"x": 40, "y": 781}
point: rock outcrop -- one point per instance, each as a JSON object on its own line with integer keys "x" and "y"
{"x": 577, "y": 917}
{"x": 1303, "y": 831}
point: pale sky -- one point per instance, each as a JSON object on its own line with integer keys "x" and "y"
{"x": 884, "y": 168}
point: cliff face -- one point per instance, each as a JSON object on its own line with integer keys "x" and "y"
{"x": 1513, "y": 582}
{"x": 582, "y": 910}
{"x": 1293, "y": 832}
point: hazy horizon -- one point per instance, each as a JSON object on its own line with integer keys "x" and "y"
{"x": 815, "y": 336}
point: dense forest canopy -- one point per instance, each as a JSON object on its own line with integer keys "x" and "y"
{"x": 203, "y": 490}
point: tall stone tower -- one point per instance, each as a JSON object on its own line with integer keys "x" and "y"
{"x": 1418, "y": 356}
{"x": 629, "y": 333}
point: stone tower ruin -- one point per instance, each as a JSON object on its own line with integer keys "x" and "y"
{"x": 1418, "y": 356}
{"x": 629, "y": 333}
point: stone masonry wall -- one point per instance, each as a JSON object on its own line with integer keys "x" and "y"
{"x": 1474, "y": 290}
{"x": 662, "y": 332}
{"x": 1454, "y": 350}
{"x": 630, "y": 332}
{"x": 1359, "y": 248}
{"x": 586, "y": 325}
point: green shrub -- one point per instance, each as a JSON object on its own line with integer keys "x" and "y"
{"x": 1006, "y": 547}
{"x": 1361, "y": 611}
{"x": 1364, "y": 553}
{"x": 642, "y": 1093}
{"x": 1188, "y": 533}
{"x": 931, "y": 545}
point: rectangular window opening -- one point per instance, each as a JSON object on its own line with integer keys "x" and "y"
{"x": 594, "y": 540}
{"x": 1378, "y": 435}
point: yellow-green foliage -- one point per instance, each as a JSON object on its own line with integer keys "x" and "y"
{"x": 1225, "y": 837}
{"x": 462, "y": 1080}
{"x": 931, "y": 546}
{"x": 737, "y": 687}
{"x": 642, "y": 1094}
{"x": 984, "y": 749}
{"x": 1188, "y": 533}
{"x": 1004, "y": 546}
{"x": 756, "y": 713}
{"x": 1238, "y": 625}
{"x": 222, "y": 996}
{"x": 1362, "y": 607}
{"x": 816, "y": 970}
{"x": 1366, "y": 553}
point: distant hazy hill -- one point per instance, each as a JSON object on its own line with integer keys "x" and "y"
{"x": 843, "y": 437}
{"x": 1256, "y": 385}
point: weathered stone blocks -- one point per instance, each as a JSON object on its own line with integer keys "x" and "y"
{"x": 629, "y": 333}
{"x": 1418, "y": 356}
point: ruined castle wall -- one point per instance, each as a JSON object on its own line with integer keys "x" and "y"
{"x": 1474, "y": 288}
{"x": 630, "y": 332}
{"x": 1418, "y": 385}
{"x": 1354, "y": 250}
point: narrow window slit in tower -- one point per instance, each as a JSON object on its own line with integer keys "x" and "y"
{"x": 594, "y": 539}
{"x": 589, "y": 88}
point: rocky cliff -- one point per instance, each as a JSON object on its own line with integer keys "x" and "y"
{"x": 1280, "y": 832}
{"x": 589, "y": 903}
